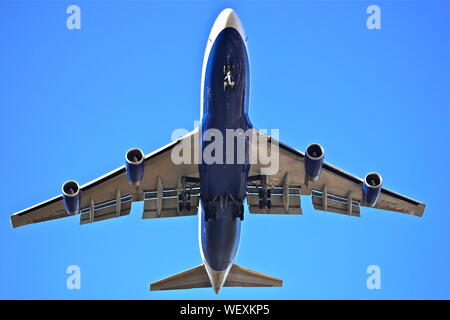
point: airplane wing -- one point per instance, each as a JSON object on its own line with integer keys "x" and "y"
{"x": 334, "y": 191}
{"x": 111, "y": 195}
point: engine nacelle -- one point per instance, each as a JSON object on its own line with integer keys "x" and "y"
{"x": 71, "y": 196}
{"x": 371, "y": 188}
{"x": 135, "y": 165}
{"x": 314, "y": 161}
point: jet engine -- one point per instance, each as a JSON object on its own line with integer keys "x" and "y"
{"x": 314, "y": 160}
{"x": 371, "y": 188}
{"x": 71, "y": 196}
{"x": 135, "y": 165}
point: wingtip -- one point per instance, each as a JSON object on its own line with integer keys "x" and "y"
{"x": 14, "y": 223}
{"x": 420, "y": 210}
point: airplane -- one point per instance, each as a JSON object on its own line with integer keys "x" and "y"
{"x": 216, "y": 191}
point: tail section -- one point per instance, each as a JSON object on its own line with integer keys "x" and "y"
{"x": 198, "y": 278}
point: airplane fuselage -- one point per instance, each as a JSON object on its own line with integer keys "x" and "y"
{"x": 223, "y": 182}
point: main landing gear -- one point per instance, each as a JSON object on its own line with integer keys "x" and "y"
{"x": 265, "y": 199}
{"x": 184, "y": 201}
{"x": 185, "y": 187}
{"x": 264, "y": 192}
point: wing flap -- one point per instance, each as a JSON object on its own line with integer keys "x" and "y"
{"x": 114, "y": 208}
{"x": 282, "y": 202}
{"x": 335, "y": 203}
{"x": 267, "y": 196}
{"x": 172, "y": 202}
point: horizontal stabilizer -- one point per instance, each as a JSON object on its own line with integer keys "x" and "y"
{"x": 198, "y": 278}
{"x": 192, "y": 278}
{"x": 243, "y": 277}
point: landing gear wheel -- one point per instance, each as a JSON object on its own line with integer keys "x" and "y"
{"x": 261, "y": 194}
{"x": 261, "y": 204}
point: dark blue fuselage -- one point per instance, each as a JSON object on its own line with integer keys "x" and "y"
{"x": 223, "y": 183}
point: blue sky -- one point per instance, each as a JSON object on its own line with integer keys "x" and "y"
{"x": 73, "y": 101}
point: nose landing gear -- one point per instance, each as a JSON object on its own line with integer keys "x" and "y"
{"x": 222, "y": 202}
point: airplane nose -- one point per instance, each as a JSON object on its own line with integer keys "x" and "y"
{"x": 228, "y": 18}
